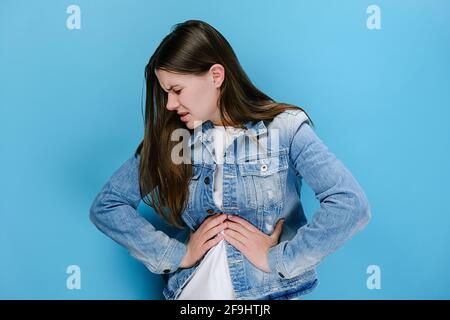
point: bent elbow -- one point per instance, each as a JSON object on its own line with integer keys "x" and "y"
{"x": 95, "y": 211}
{"x": 364, "y": 212}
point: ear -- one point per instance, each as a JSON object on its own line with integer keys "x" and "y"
{"x": 217, "y": 72}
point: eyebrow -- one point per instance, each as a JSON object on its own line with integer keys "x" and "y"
{"x": 171, "y": 87}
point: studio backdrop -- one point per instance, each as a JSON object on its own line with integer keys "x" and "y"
{"x": 373, "y": 75}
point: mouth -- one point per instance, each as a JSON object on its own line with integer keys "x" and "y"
{"x": 183, "y": 116}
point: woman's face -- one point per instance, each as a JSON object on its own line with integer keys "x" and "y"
{"x": 193, "y": 95}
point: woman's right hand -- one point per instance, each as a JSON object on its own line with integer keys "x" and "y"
{"x": 205, "y": 237}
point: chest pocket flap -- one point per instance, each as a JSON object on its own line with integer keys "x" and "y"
{"x": 264, "y": 167}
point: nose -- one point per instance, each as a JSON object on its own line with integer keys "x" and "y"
{"x": 172, "y": 102}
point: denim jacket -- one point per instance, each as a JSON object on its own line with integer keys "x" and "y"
{"x": 262, "y": 178}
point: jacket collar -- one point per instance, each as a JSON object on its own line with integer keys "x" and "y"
{"x": 204, "y": 131}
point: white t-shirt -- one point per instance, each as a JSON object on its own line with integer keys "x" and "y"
{"x": 211, "y": 281}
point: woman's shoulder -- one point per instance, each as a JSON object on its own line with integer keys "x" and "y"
{"x": 293, "y": 114}
{"x": 289, "y": 120}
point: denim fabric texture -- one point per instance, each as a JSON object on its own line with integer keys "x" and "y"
{"x": 263, "y": 172}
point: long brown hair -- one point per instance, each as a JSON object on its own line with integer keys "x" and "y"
{"x": 192, "y": 47}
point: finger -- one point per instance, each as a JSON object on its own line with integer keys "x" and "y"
{"x": 210, "y": 243}
{"x": 212, "y": 221}
{"x": 243, "y": 222}
{"x": 213, "y": 231}
{"x": 236, "y": 235}
{"x": 239, "y": 228}
{"x": 204, "y": 223}
{"x": 276, "y": 233}
{"x": 234, "y": 242}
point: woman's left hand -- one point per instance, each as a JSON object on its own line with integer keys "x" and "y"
{"x": 253, "y": 243}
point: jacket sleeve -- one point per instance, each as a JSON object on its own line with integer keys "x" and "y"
{"x": 344, "y": 208}
{"x": 114, "y": 212}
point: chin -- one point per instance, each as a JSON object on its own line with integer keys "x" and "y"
{"x": 191, "y": 124}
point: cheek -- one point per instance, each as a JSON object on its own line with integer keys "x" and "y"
{"x": 203, "y": 101}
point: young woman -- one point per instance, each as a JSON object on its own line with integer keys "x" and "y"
{"x": 224, "y": 163}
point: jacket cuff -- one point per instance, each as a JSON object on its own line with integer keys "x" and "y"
{"x": 173, "y": 257}
{"x": 275, "y": 260}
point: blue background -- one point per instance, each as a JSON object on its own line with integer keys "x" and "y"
{"x": 71, "y": 114}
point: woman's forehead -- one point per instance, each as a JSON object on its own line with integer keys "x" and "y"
{"x": 172, "y": 79}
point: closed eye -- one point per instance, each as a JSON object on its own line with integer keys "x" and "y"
{"x": 176, "y": 91}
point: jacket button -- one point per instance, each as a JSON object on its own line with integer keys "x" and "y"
{"x": 264, "y": 167}
{"x": 280, "y": 274}
{"x": 210, "y": 211}
{"x": 166, "y": 271}
{"x": 207, "y": 180}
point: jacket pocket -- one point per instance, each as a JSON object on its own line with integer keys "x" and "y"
{"x": 264, "y": 181}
